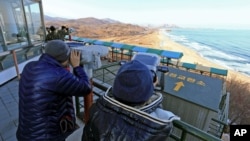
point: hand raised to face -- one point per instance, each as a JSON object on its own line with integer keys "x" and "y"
{"x": 75, "y": 58}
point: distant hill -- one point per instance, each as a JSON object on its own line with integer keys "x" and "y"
{"x": 97, "y": 28}
{"x": 111, "y": 21}
{"x": 48, "y": 18}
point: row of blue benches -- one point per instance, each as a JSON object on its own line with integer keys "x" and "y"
{"x": 169, "y": 57}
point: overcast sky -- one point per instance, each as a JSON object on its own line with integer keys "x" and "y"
{"x": 187, "y": 13}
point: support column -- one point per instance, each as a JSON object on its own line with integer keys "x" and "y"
{"x": 88, "y": 101}
{"x": 13, "y": 52}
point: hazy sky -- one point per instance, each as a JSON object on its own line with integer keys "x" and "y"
{"x": 191, "y": 13}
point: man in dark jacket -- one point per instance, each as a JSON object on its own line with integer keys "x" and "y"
{"x": 52, "y": 34}
{"x": 46, "y": 111}
{"x": 132, "y": 111}
{"x": 63, "y": 32}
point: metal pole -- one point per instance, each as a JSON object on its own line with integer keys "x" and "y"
{"x": 121, "y": 54}
{"x": 88, "y": 101}
{"x": 112, "y": 54}
{"x": 70, "y": 38}
{"x": 16, "y": 63}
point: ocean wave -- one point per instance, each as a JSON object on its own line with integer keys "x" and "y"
{"x": 225, "y": 51}
{"x": 198, "y": 47}
{"x": 238, "y": 67}
{"x": 225, "y": 56}
{"x": 243, "y": 69}
{"x": 222, "y": 63}
{"x": 208, "y": 51}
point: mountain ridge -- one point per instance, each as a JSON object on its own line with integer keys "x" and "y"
{"x": 91, "y": 27}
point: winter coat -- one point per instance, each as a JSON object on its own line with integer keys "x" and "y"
{"x": 46, "y": 109}
{"x": 52, "y": 36}
{"x": 111, "y": 120}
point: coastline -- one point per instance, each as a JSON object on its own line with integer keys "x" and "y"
{"x": 156, "y": 39}
{"x": 192, "y": 56}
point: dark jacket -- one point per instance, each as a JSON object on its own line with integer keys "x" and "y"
{"x": 62, "y": 33}
{"x": 45, "y": 100}
{"x": 111, "y": 120}
{"x": 52, "y": 36}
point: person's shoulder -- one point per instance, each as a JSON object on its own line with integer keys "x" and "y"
{"x": 30, "y": 64}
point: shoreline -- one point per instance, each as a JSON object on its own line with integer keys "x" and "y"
{"x": 157, "y": 40}
{"x": 191, "y": 56}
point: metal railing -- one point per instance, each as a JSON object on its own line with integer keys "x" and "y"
{"x": 13, "y": 61}
{"x": 187, "y": 129}
{"x": 106, "y": 74}
{"x": 102, "y": 81}
{"x": 216, "y": 127}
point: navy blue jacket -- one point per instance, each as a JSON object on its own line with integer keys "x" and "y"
{"x": 111, "y": 120}
{"x": 45, "y": 99}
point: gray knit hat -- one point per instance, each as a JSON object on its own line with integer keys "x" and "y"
{"x": 58, "y": 50}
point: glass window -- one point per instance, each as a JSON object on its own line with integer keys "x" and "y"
{"x": 1, "y": 33}
{"x": 19, "y": 28}
{"x": 34, "y": 21}
{"x": 20, "y": 22}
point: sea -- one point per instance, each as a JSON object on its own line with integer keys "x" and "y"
{"x": 227, "y": 47}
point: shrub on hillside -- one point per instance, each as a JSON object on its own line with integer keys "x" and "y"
{"x": 239, "y": 105}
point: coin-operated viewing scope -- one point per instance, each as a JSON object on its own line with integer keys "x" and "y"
{"x": 152, "y": 61}
{"x": 90, "y": 55}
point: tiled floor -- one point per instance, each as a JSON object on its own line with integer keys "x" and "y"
{"x": 9, "y": 113}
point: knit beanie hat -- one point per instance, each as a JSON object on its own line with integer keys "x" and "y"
{"x": 133, "y": 84}
{"x": 58, "y": 50}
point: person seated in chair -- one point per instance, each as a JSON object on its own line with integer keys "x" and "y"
{"x": 132, "y": 111}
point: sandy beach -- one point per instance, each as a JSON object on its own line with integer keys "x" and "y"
{"x": 156, "y": 39}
